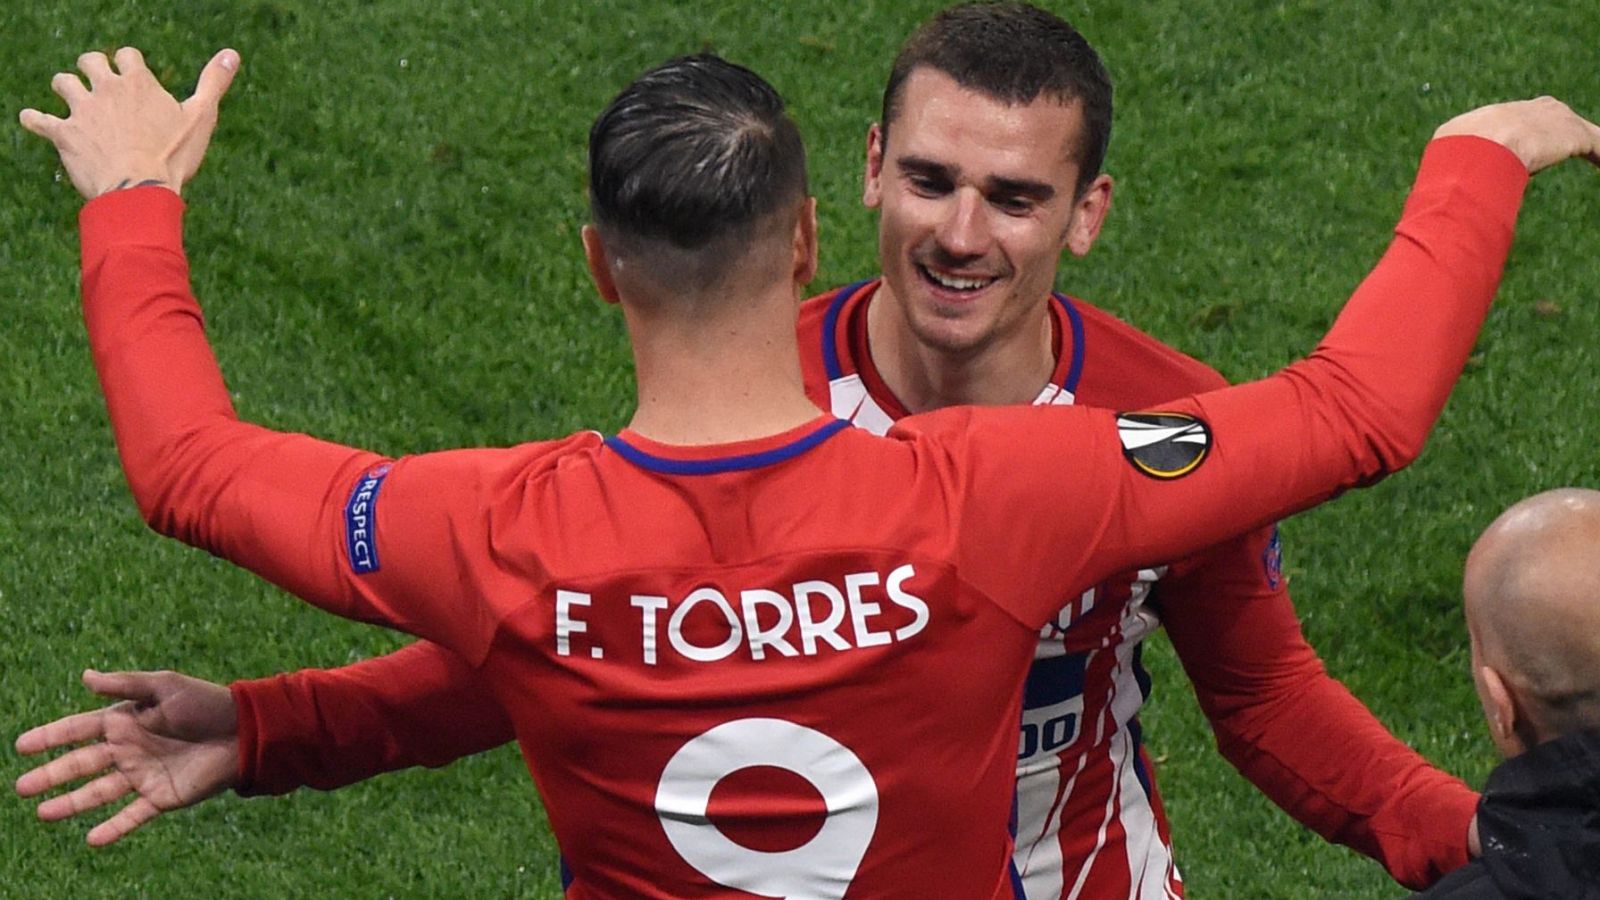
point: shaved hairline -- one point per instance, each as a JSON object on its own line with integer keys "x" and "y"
{"x": 1532, "y": 589}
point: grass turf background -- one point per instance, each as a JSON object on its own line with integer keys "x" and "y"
{"x": 385, "y": 238}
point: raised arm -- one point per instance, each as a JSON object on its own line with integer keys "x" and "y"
{"x": 196, "y": 471}
{"x": 291, "y": 508}
{"x": 1136, "y": 489}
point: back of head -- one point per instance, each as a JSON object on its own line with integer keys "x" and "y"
{"x": 1532, "y": 591}
{"x": 692, "y": 155}
{"x": 1016, "y": 54}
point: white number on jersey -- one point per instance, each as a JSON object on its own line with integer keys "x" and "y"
{"x": 820, "y": 869}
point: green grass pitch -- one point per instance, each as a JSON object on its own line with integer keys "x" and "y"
{"x": 386, "y": 240}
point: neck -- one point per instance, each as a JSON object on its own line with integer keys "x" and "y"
{"x": 1008, "y": 370}
{"x": 730, "y": 375}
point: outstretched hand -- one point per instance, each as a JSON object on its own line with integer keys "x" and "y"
{"x": 171, "y": 742}
{"x": 125, "y": 129}
{"x": 1541, "y": 132}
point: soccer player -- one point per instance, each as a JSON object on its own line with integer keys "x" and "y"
{"x": 985, "y": 170}
{"x": 733, "y": 584}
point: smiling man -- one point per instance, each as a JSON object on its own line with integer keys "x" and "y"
{"x": 981, "y": 189}
{"x": 985, "y": 169}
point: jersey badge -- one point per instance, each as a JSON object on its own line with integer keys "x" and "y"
{"x": 359, "y": 520}
{"x": 1163, "y": 445}
{"x": 1272, "y": 561}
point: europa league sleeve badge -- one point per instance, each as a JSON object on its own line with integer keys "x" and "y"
{"x": 1163, "y": 445}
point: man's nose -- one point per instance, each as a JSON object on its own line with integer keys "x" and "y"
{"x": 964, "y": 232}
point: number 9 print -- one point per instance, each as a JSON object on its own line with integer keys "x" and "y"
{"x": 821, "y": 868}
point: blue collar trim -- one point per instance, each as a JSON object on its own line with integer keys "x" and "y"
{"x": 830, "y": 330}
{"x": 727, "y": 463}
{"x": 1075, "y": 319}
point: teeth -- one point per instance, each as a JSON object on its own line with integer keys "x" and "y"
{"x": 958, "y": 284}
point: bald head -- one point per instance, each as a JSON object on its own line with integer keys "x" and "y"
{"x": 1532, "y": 590}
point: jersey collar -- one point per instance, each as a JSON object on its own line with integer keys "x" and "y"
{"x": 858, "y": 390}
{"x": 711, "y": 459}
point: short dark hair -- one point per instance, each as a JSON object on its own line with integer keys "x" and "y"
{"x": 691, "y": 151}
{"x": 1014, "y": 53}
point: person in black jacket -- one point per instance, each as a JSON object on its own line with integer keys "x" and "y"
{"x": 1532, "y": 590}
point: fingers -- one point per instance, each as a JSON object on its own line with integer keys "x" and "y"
{"x": 125, "y": 822}
{"x": 215, "y": 79}
{"x": 1586, "y": 136}
{"x": 80, "y": 763}
{"x": 130, "y": 62}
{"x": 140, "y": 687}
{"x": 69, "y": 88}
{"x": 84, "y": 726}
{"x": 42, "y": 124}
{"x": 95, "y": 794}
{"x": 95, "y": 65}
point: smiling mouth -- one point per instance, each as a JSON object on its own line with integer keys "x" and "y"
{"x": 961, "y": 284}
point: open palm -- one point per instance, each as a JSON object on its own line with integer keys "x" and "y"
{"x": 170, "y": 743}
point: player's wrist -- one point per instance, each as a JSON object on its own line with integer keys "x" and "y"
{"x": 138, "y": 181}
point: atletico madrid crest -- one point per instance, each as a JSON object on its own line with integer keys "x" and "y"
{"x": 1272, "y": 560}
{"x": 1163, "y": 445}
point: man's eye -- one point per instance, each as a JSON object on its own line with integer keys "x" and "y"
{"x": 1015, "y": 206}
{"x": 927, "y": 187}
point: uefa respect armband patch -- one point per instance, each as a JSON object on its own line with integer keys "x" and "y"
{"x": 1163, "y": 445}
{"x": 360, "y": 520}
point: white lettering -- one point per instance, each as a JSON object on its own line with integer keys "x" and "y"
{"x": 860, "y": 609}
{"x": 784, "y": 621}
{"x": 359, "y": 524}
{"x": 897, "y": 578}
{"x": 566, "y": 625}
{"x": 810, "y": 628}
{"x": 821, "y": 868}
{"x": 648, "y": 606}
{"x": 704, "y": 654}
{"x": 762, "y": 638}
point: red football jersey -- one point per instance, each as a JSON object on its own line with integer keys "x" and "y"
{"x": 1090, "y": 821}
{"x": 716, "y": 658}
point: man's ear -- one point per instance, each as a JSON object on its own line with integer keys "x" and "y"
{"x": 872, "y": 192}
{"x": 805, "y": 243}
{"x": 1501, "y": 708}
{"x": 599, "y": 260}
{"x": 1088, "y": 214}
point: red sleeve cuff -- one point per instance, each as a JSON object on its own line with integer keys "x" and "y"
{"x": 1488, "y": 172}
{"x": 253, "y": 700}
{"x": 144, "y": 216}
{"x": 1455, "y": 809}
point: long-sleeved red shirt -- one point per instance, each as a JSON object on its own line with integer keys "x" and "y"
{"x": 462, "y": 550}
{"x": 1293, "y": 730}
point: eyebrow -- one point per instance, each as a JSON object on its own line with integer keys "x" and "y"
{"x": 1038, "y": 191}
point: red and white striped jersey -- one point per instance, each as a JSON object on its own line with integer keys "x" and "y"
{"x": 1089, "y": 821}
